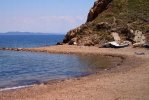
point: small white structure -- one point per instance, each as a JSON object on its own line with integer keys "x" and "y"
{"x": 117, "y": 43}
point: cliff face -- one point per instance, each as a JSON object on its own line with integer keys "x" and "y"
{"x": 99, "y": 7}
{"x": 126, "y": 17}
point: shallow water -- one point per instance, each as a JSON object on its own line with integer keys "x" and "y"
{"x": 27, "y": 68}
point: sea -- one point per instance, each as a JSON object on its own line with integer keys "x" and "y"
{"x": 27, "y": 41}
{"x": 23, "y": 69}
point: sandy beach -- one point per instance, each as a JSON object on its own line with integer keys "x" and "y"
{"x": 127, "y": 81}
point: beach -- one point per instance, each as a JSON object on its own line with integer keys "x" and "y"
{"x": 127, "y": 81}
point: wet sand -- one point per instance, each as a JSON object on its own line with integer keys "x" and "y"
{"x": 127, "y": 81}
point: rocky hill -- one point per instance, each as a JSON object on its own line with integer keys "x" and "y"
{"x": 125, "y": 17}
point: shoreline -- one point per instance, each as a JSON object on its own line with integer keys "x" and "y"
{"x": 132, "y": 62}
{"x": 70, "y": 49}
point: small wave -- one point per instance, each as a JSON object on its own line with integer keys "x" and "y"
{"x": 14, "y": 88}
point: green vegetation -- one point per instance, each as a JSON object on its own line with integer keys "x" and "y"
{"x": 133, "y": 12}
{"x": 121, "y": 16}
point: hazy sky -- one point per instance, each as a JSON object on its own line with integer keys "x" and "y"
{"x": 54, "y": 16}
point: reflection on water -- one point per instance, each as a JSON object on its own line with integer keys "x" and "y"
{"x": 98, "y": 62}
{"x": 26, "y": 68}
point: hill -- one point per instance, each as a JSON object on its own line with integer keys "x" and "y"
{"x": 125, "y": 17}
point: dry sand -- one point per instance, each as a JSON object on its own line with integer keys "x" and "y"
{"x": 128, "y": 81}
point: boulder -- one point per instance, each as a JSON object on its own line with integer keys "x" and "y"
{"x": 139, "y": 37}
{"x": 146, "y": 45}
{"x": 71, "y": 34}
{"x": 116, "y": 36}
{"x": 139, "y": 53}
{"x": 59, "y": 43}
{"x": 137, "y": 45}
{"x": 73, "y": 41}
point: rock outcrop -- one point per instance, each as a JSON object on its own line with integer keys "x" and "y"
{"x": 99, "y": 7}
{"x": 125, "y": 17}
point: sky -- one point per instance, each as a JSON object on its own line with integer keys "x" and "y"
{"x": 46, "y": 16}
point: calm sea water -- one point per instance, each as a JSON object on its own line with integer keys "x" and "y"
{"x": 24, "y": 41}
{"x": 27, "y": 68}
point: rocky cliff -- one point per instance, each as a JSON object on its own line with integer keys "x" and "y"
{"x": 125, "y": 17}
